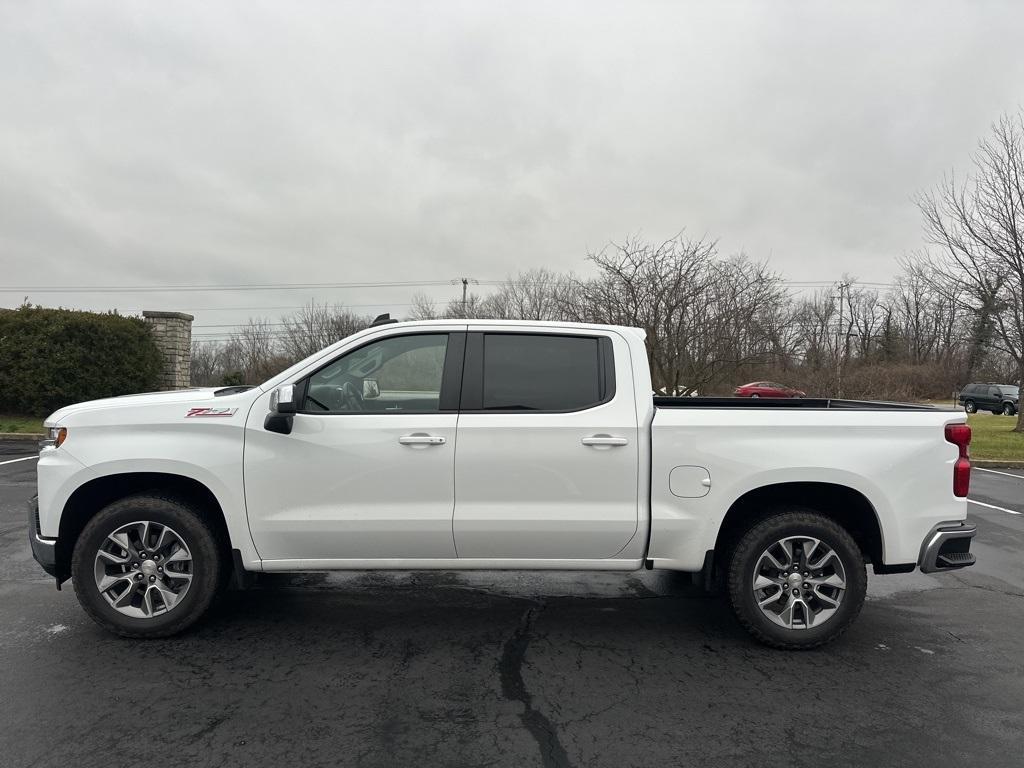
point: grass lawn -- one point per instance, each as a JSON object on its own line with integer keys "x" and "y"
{"x": 992, "y": 437}
{"x": 20, "y": 424}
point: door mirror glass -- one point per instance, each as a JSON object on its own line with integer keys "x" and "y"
{"x": 371, "y": 389}
{"x": 282, "y": 399}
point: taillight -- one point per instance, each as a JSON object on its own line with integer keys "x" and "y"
{"x": 960, "y": 436}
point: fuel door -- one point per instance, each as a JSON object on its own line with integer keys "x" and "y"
{"x": 689, "y": 482}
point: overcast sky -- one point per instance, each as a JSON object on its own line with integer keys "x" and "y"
{"x": 225, "y": 143}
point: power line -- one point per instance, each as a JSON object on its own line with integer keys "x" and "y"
{"x": 244, "y": 287}
{"x": 369, "y": 284}
{"x": 344, "y": 305}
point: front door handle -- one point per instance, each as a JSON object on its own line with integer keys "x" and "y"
{"x": 604, "y": 440}
{"x": 421, "y": 439}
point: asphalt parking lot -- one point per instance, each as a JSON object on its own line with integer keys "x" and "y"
{"x": 492, "y": 669}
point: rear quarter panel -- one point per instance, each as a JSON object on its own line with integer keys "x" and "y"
{"x": 898, "y": 460}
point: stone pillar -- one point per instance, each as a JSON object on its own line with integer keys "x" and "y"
{"x": 172, "y": 332}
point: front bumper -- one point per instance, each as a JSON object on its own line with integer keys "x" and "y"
{"x": 43, "y": 550}
{"x": 947, "y": 548}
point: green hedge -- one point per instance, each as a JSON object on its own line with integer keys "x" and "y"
{"x": 50, "y": 358}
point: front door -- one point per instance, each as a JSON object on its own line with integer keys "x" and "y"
{"x": 548, "y": 448}
{"x": 367, "y": 472}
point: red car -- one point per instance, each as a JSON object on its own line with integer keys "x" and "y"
{"x": 766, "y": 389}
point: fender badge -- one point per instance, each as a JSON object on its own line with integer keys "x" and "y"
{"x": 196, "y": 412}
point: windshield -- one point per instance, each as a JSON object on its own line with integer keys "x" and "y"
{"x": 1011, "y": 391}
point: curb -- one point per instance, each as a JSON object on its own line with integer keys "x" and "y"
{"x": 994, "y": 464}
{"x": 21, "y": 436}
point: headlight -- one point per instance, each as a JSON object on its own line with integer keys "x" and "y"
{"x": 55, "y": 437}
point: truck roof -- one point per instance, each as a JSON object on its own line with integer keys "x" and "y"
{"x": 626, "y": 329}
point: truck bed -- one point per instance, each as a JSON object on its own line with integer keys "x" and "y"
{"x": 807, "y": 403}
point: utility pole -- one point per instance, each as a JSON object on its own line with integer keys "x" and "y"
{"x": 840, "y": 341}
{"x": 465, "y": 289}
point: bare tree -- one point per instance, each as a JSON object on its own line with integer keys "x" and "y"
{"x": 538, "y": 294}
{"x": 705, "y": 318}
{"x": 978, "y": 224}
{"x": 316, "y": 326}
{"x": 205, "y": 363}
{"x": 423, "y": 308}
{"x": 253, "y": 350}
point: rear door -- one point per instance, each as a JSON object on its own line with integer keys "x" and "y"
{"x": 547, "y": 457}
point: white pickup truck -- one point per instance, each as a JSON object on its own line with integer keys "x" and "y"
{"x": 498, "y": 445}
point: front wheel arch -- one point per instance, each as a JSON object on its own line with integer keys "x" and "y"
{"x": 92, "y": 497}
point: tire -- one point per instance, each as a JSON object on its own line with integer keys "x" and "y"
{"x": 176, "y": 596}
{"x": 799, "y": 527}
{"x": 1009, "y": 410}
{"x": 970, "y": 406}
{"x": 755, "y": 395}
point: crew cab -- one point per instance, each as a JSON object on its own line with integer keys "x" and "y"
{"x": 495, "y": 445}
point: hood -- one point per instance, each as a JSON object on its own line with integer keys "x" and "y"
{"x": 196, "y": 395}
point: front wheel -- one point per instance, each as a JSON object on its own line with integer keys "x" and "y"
{"x": 1009, "y": 410}
{"x": 146, "y": 566}
{"x": 970, "y": 407}
{"x": 797, "y": 580}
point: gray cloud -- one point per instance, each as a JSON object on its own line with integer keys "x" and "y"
{"x": 271, "y": 142}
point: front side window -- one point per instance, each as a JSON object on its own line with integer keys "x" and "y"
{"x": 541, "y": 372}
{"x": 399, "y": 374}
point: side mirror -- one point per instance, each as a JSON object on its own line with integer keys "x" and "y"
{"x": 282, "y": 410}
{"x": 371, "y": 389}
{"x": 282, "y": 400}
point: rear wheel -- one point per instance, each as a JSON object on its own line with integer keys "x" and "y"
{"x": 797, "y": 580}
{"x": 970, "y": 406}
{"x": 146, "y": 566}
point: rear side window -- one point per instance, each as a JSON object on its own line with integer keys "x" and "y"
{"x": 544, "y": 372}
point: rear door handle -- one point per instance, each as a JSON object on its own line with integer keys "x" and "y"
{"x": 421, "y": 439}
{"x": 604, "y": 440}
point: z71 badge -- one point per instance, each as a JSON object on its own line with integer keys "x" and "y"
{"x": 196, "y": 412}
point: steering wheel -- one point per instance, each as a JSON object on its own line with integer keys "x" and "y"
{"x": 352, "y": 397}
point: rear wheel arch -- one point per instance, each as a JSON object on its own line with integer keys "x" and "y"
{"x": 95, "y": 495}
{"x": 846, "y": 506}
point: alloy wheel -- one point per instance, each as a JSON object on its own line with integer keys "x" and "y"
{"x": 799, "y": 582}
{"x": 143, "y": 569}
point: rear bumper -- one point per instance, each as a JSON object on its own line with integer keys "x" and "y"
{"x": 44, "y": 550}
{"x": 947, "y": 548}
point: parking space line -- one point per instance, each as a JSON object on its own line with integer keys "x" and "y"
{"x": 996, "y": 472}
{"x": 23, "y": 458}
{"x": 993, "y": 506}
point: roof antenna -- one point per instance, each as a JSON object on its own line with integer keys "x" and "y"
{"x": 384, "y": 319}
